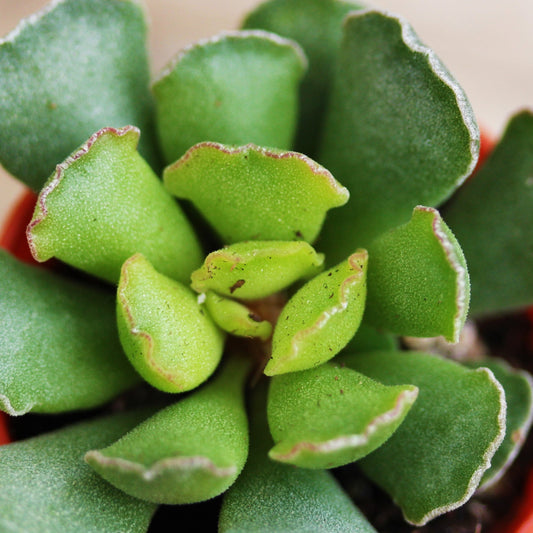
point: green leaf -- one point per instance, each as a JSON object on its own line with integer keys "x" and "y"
{"x": 270, "y": 496}
{"x": 188, "y": 452}
{"x": 104, "y": 204}
{"x": 317, "y": 26}
{"x": 437, "y": 457}
{"x": 369, "y": 339}
{"x": 46, "y": 486}
{"x": 59, "y": 345}
{"x": 235, "y": 318}
{"x": 399, "y": 130}
{"x": 225, "y": 185}
{"x": 235, "y": 88}
{"x": 320, "y": 319}
{"x": 76, "y": 67}
{"x": 418, "y": 282}
{"x": 166, "y": 334}
{"x": 331, "y": 416}
{"x": 256, "y": 269}
{"x": 491, "y": 216}
{"x": 518, "y": 386}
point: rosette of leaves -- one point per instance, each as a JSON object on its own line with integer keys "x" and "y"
{"x": 198, "y": 210}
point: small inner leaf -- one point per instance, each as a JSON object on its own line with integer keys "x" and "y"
{"x": 189, "y": 452}
{"x": 235, "y": 318}
{"x": 105, "y": 204}
{"x": 437, "y": 457}
{"x": 253, "y": 270}
{"x": 167, "y": 336}
{"x": 331, "y": 416}
{"x": 253, "y": 193}
{"x": 320, "y": 319}
{"x": 418, "y": 283}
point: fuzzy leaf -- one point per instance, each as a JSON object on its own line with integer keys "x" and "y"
{"x": 317, "y": 26}
{"x": 235, "y": 88}
{"x": 418, "y": 282}
{"x": 256, "y": 269}
{"x": 167, "y": 336}
{"x": 320, "y": 319}
{"x": 270, "y": 496}
{"x": 518, "y": 386}
{"x": 491, "y": 216}
{"x": 46, "y": 486}
{"x": 104, "y": 204}
{"x": 435, "y": 460}
{"x": 331, "y": 416}
{"x": 188, "y": 452}
{"x": 235, "y": 318}
{"x": 59, "y": 346}
{"x": 369, "y": 339}
{"x": 399, "y": 130}
{"x": 76, "y": 67}
{"x": 253, "y": 193}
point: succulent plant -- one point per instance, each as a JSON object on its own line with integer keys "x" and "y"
{"x": 293, "y": 240}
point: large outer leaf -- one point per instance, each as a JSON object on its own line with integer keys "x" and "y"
{"x": 435, "y": 460}
{"x": 280, "y": 498}
{"x": 492, "y": 218}
{"x": 418, "y": 282}
{"x": 59, "y": 349}
{"x": 317, "y": 26}
{"x": 47, "y": 488}
{"x": 78, "y": 66}
{"x": 188, "y": 452}
{"x": 235, "y": 88}
{"x": 104, "y": 204}
{"x": 399, "y": 130}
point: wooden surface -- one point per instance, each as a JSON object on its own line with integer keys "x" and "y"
{"x": 487, "y": 45}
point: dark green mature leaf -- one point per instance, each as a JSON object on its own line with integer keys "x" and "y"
{"x": 104, "y": 204}
{"x": 78, "y": 66}
{"x": 47, "y": 488}
{"x": 235, "y": 88}
{"x": 399, "y": 130}
{"x": 320, "y": 319}
{"x": 418, "y": 282}
{"x": 253, "y": 193}
{"x": 331, "y": 416}
{"x": 317, "y": 26}
{"x": 256, "y": 269}
{"x": 188, "y": 452}
{"x": 491, "y": 216}
{"x": 437, "y": 457}
{"x": 518, "y": 386}
{"x": 59, "y": 345}
{"x": 167, "y": 336}
{"x": 270, "y": 496}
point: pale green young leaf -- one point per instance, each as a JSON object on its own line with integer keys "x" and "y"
{"x": 75, "y": 67}
{"x": 235, "y": 318}
{"x": 331, "y": 416}
{"x": 256, "y": 269}
{"x": 166, "y": 334}
{"x": 269, "y": 496}
{"x": 104, "y": 204}
{"x": 399, "y": 130}
{"x": 320, "y": 319}
{"x": 47, "y": 488}
{"x": 317, "y": 27}
{"x": 437, "y": 457}
{"x": 189, "y": 452}
{"x": 491, "y": 216}
{"x": 59, "y": 346}
{"x": 254, "y": 193}
{"x": 235, "y": 88}
{"x": 418, "y": 282}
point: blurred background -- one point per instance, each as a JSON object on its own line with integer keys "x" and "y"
{"x": 486, "y": 45}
